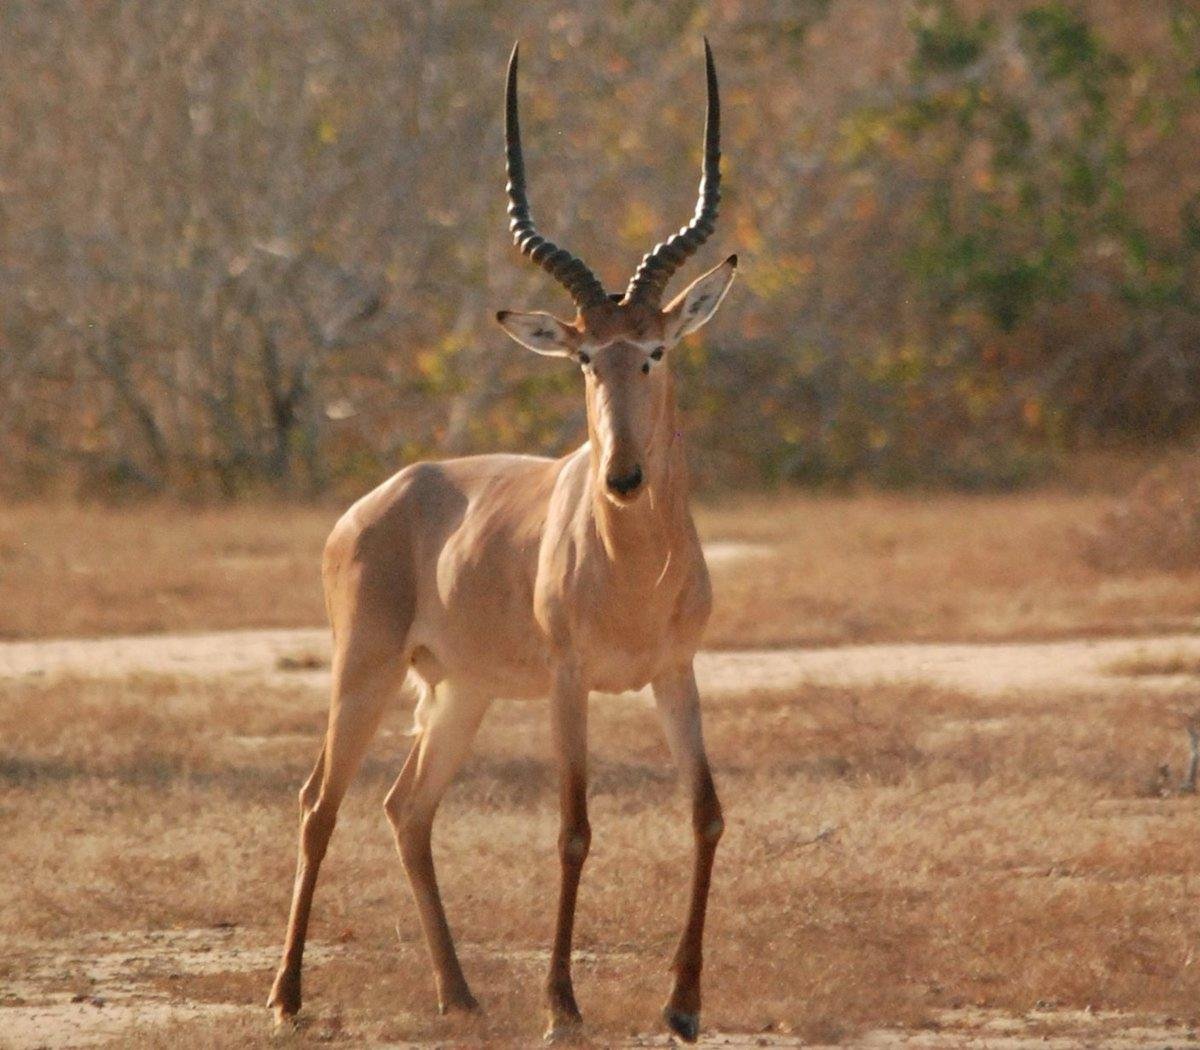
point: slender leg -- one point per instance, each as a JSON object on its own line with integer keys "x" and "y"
{"x": 569, "y": 725}
{"x": 679, "y": 708}
{"x": 438, "y": 752}
{"x": 360, "y": 693}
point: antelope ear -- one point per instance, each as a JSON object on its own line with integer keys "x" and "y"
{"x": 540, "y": 332}
{"x": 692, "y": 307}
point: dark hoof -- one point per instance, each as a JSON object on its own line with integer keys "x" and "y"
{"x": 284, "y": 1000}
{"x": 564, "y": 1029}
{"x": 464, "y": 1003}
{"x": 686, "y": 1026}
{"x": 285, "y": 1019}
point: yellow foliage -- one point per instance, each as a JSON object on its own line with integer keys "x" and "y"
{"x": 775, "y": 276}
{"x": 327, "y": 132}
{"x": 431, "y": 364}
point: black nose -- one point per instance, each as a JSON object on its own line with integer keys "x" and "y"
{"x": 626, "y": 484}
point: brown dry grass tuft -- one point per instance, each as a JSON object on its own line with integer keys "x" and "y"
{"x": 890, "y": 855}
{"x": 1169, "y": 664}
{"x": 1157, "y": 526}
{"x": 834, "y": 569}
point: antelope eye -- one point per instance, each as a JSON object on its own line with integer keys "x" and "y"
{"x": 584, "y": 359}
{"x": 656, "y": 354}
{"x": 646, "y": 368}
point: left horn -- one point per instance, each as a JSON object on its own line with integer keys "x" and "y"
{"x": 660, "y": 264}
{"x": 569, "y": 271}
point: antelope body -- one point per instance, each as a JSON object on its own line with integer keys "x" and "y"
{"x": 525, "y": 577}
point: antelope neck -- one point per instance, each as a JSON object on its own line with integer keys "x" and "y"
{"x": 647, "y": 525}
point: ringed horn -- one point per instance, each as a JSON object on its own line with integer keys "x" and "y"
{"x": 659, "y": 264}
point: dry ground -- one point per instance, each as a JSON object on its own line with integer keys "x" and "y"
{"x": 907, "y": 865}
{"x": 963, "y": 847}
{"x": 830, "y": 570}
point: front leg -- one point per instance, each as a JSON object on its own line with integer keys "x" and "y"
{"x": 568, "y": 715}
{"x": 679, "y": 708}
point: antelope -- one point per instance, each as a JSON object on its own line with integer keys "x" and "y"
{"x": 525, "y": 577}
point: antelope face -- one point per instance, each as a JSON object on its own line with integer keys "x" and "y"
{"x": 621, "y": 341}
{"x": 626, "y": 387}
{"x": 626, "y": 401}
{"x": 623, "y": 350}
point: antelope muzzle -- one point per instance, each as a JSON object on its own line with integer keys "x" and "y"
{"x": 625, "y": 486}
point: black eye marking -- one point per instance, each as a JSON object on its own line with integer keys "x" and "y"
{"x": 584, "y": 359}
{"x": 646, "y": 368}
{"x": 656, "y": 354}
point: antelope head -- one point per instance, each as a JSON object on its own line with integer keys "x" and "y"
{"x": 622, "y": 342}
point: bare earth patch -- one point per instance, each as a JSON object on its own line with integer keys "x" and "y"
{"x": 722, "y": 553}
{"x": 1085, "y": 665}
{"x": 109, "y": 983}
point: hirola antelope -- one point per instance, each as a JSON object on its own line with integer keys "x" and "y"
{"x": 525, "y": 577}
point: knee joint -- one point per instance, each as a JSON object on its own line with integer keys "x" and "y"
{"x": 394, "y": 807}
{"x": 315, "y": 829}
{"x": 409, "y": 825}
{"x": 710, "y": 831}
{"x": 309, "y": 794}
{"x": 573, "y": 846}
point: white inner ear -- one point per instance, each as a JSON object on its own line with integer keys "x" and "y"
{"x": 699, "y": 301}
{"x": 540, "y": 332}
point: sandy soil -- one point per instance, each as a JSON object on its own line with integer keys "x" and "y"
{"x": 111, "y": 983}
{"x": 981, "y": 669}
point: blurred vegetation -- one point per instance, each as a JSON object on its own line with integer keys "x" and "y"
{"x": 248, "y": 246}
{"x": 1155, "y": 525}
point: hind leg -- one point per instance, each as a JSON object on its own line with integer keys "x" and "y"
{"x": 365, "y": 678}
{"x": 449, "y": 720}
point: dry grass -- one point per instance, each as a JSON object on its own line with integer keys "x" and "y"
{"x": 838, "y": 569}
{"x": 938, "y": 567}
{"x": 69, "y": 570}
{"x": 890, "y": 855}
{"x": 1157, "y": 524}
{"x": 1149, "y": 666}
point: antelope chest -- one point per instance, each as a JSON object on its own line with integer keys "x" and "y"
{"x": 625, "y": 636}
{"x": 617, "y": 670}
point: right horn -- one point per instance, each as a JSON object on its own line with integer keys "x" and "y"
{"x": 660, "y": 264}
{"x": 564, "y": 267}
